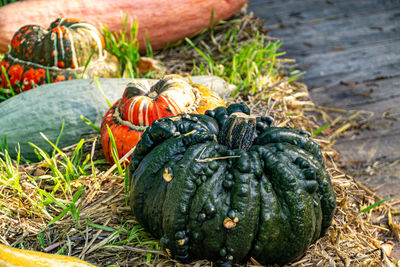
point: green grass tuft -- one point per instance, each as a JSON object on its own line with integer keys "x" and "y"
{"x": 58, "y": 195}
{"x": 124, "y": 46}
{"x": 239, "y": 63}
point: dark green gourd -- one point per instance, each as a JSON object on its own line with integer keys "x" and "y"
{"x": 227, "y": 186}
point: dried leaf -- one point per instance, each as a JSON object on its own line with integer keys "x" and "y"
{"x": 39, "y": 172}
{"x": 147, "y": 64}
{"x": 387, "y": 247}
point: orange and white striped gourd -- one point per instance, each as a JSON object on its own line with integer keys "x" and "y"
{"x": 143, "y": 103}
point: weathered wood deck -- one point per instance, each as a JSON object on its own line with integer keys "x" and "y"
{"x": 351, "y": 52}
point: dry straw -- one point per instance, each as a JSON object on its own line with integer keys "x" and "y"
{"x": 354, "y": 239}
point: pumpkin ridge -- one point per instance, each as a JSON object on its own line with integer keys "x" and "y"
{"x": 299, "y": 238}
{"x": 318, "y": 213}
{"x": 172, "y": 107}
{"x": 272, "y": 221}
{"x": 181, "y": 190}
{"x": 150, "y": 169}
{"x": 205, "y": 228}
{"x": 295, "y": 137}
{"x": 325, "y": 191}
{"x": 308, "y": 186}
{"x": 257, "y": 229}
{"x": 244, "y": 206}
{"x": 92, "y": 31}
{"x": 206, "y": 209}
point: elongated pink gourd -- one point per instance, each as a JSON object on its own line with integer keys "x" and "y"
{"x": 164, "y": 21}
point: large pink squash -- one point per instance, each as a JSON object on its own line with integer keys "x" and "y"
{"x": 165, "y": 21}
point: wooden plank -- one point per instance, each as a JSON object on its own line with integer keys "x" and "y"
{"x": 356, "y": 31}
{"x": 358, "y": 63}
{"x": 373, "y": 40}
{"x": 341, "y": 43}
{"x": 374, "y": 95}
{"x": 370, "y": 146}
{"x": 287, "y": 13}
{"x": 378, "y": 138}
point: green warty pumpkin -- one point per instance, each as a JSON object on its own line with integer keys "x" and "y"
{"x": 227, "y": 186}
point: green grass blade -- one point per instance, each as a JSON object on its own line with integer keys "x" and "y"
{"x": 296, "y": 76}
{"x": 52, "y": 199}
{"x": 4, "y": 144}
{"x": 321, "y": 129}
{"x": 78, "y": 194}
{"x": 90, "y": 123}
{"x": 212, "y": 23}
{"x": 101, "y": 227}
{"x": 41, "y": 239}
{"x": 58, "y": 138}
{"x": 149, "y": 48}
{"x": 376, "y": 204}
{"x": 114, "y": 152}
{"x": 48, "y": 75}
{"x": 59, "y": 216}
{"x": 87, "y": 64}
{"x": 96, "y": 80}
{"x": 8, "y": 80}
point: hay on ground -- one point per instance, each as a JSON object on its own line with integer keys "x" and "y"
{"x": 108, "y": 234}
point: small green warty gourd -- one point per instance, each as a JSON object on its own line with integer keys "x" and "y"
{"x": 227, "y": 186}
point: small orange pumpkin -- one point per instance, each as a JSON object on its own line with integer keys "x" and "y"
{"x": 143, "y": 103}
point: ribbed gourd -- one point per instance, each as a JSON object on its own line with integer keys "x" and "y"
{"x": 227, "y": 186}
{"x": 67, "y": 50}
{"x": 144, "y": 102}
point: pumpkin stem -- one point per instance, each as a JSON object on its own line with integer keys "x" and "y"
{"x": 238, "y": 131}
